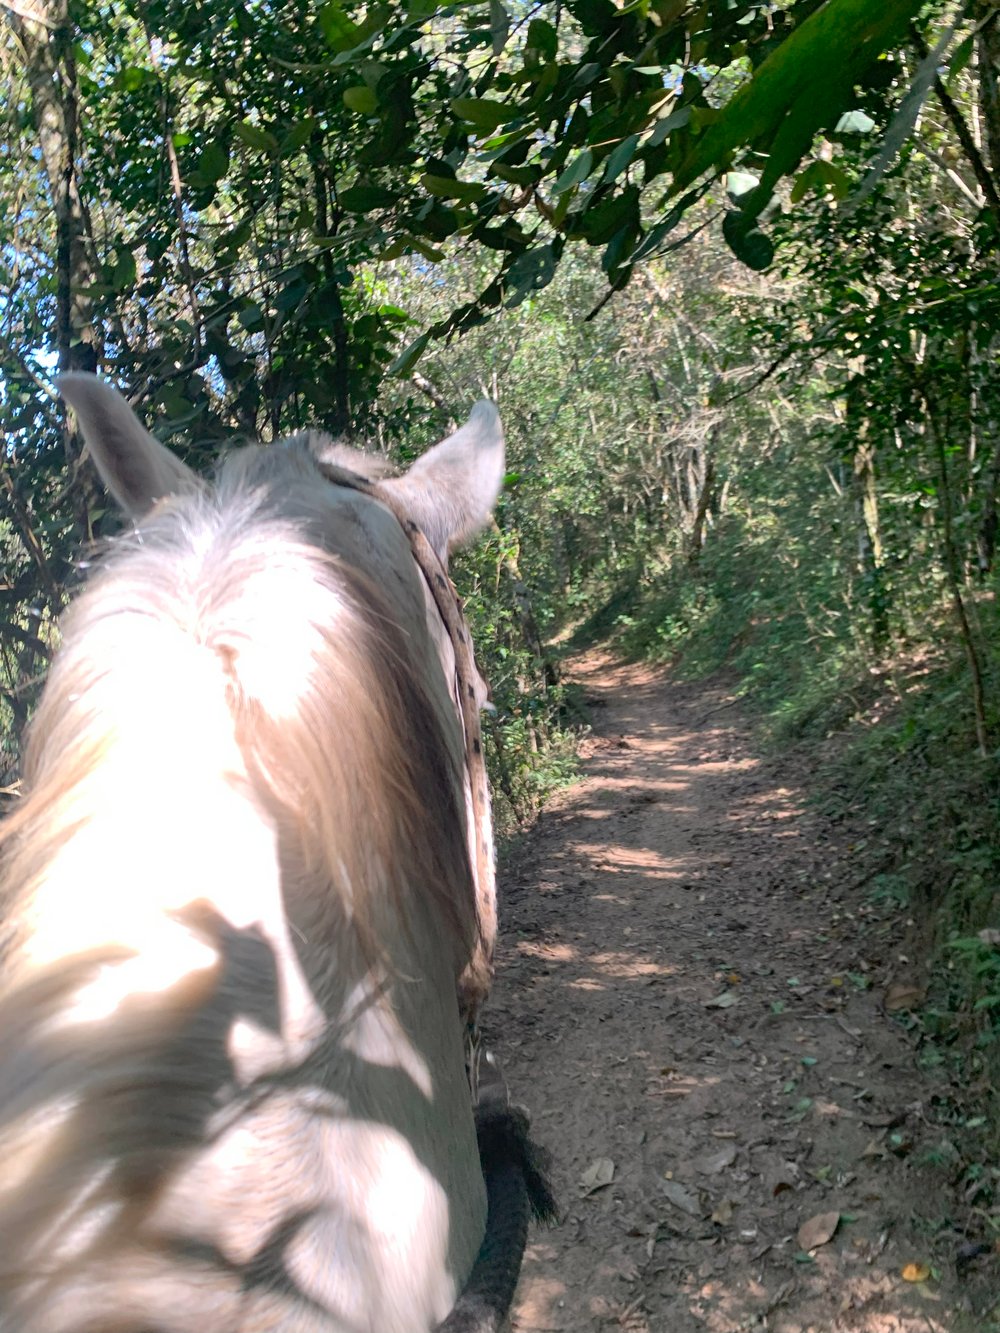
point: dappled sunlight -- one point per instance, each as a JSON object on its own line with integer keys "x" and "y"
{"x": 617, "y": 963}
{"x": 540, "y": 1299}
{"x": 558, "y": 953}
{"x": 619, "y": 858}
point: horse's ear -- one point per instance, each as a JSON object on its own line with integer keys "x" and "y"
{"x": 136, "y": 468}
{"x": 451, "y": 490}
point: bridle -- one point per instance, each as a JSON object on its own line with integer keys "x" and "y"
{"x": 475, "y": 982}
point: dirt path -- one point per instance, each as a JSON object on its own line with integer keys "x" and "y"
{"x": 684, "y": 991}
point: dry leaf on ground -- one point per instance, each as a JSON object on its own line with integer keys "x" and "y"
{"x": 818, "y": 1230}
{"x": 596, "y": 1176}
{"x": 724, "y": 1001}
{"x": 904, "y": 995}
{"x": 681, "y": 1198}
{"x": 712, "y": 1163}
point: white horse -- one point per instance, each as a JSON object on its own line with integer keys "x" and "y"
{"x": 239, "y": 903}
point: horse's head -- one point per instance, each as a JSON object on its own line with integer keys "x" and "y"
{"x": 394, "y": 532}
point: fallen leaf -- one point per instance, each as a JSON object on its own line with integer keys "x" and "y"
{"x": 818, "y": 1230}
{"x": 596, "y": 1176}
{"x": 712, "y": 1163}
{"x": 915, "y": 1272}
{"x": 681, "y": 1198}
{"x": 724, "y": 1001}
{"x": 903, "y": 995}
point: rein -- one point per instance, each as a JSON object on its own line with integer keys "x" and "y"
{"x": 474, "y": 984}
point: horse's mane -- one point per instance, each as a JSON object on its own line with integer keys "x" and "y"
{"x": 227, "y": 690}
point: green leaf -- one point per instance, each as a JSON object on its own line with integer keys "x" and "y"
{"x": 618, "y": 251}
{"x": 526, "y": 175}
{"x": 340, "y": 32}
{"x": 619, "y": 159}
{"x": 543, "y": 38}
{"x": 214, "y": 161}
{"x": 409, "y": 357}
{"x": 529, "y": 273}
{"x": 656, "y": 234}
{"x": 747, "y": 242}
{"x": 483, "y": 112}
{"x": 366, "y": 198}
{"x": 251, "y": 316}
{"x": 361, "y": 99}
{"x": 422, "y": 248}
{"x": 255, "y": 137}
{"x": 961, "y": 56}
{"x": 499, "y": 26}
{"x": 675, "y": 121}
{"x": 797, "y": 88}
{"x": 600, "y": 222}
{"x": 229, "y": 242}
{"x": 291, "y": 296}
{"x": 124, "y": 273}
{"x": 132, "y": 78}
{"x": 443, "y": 187}
{"x": 578, "y": 170}
{"x": 820, "y": 176}
{"x": 297, "y": 137}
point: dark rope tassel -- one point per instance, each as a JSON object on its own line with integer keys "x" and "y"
{"x": 517, "y": 1188}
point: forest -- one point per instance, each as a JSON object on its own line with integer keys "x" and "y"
{"x": 728, "y": 267}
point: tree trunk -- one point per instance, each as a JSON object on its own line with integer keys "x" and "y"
{"x": 51, "y": 70}
{"x": 704, "y": 499}
{"x": 870, "y": 554}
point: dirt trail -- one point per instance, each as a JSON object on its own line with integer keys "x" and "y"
{"x": 682, "y": 991}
